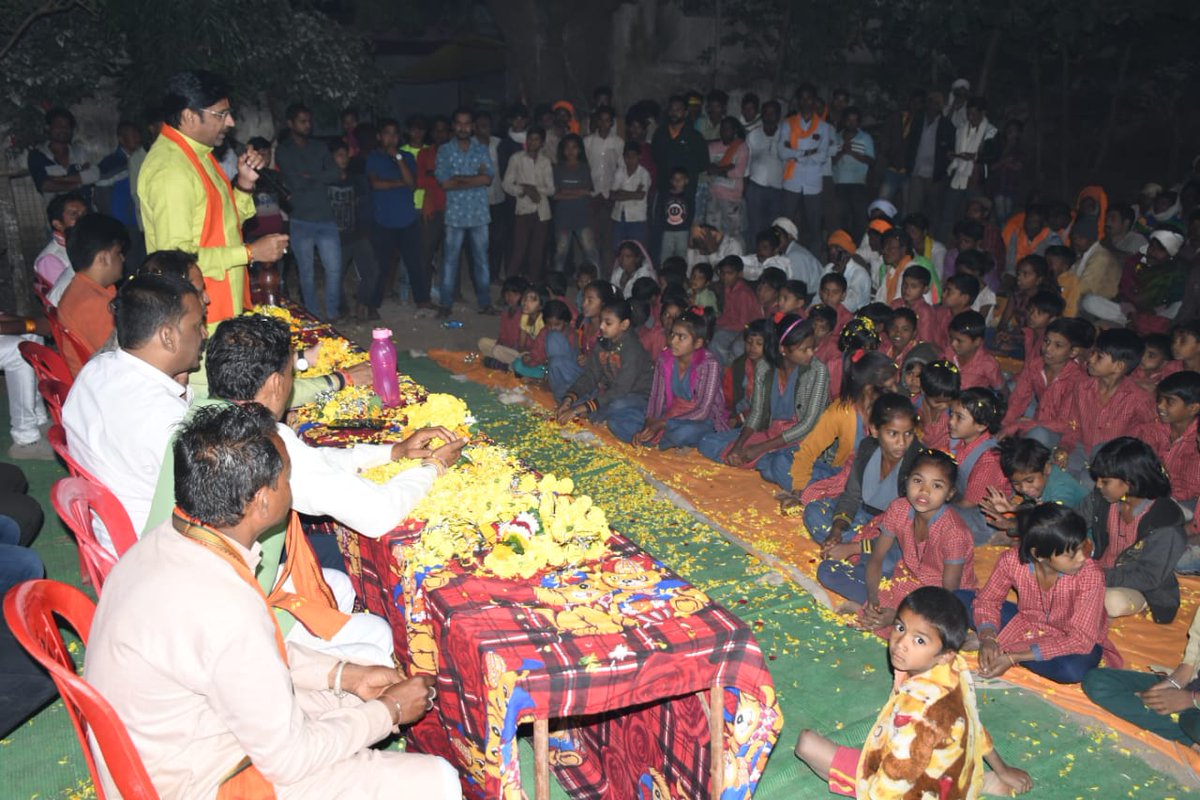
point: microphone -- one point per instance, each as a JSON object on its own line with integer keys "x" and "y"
{"x": 267, "y": 179}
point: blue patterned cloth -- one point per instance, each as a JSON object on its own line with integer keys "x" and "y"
{"x": 465, "y": 208}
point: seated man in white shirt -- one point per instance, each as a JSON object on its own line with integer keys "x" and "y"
{"x": 708, "y": 246}
{"x": 802, "y": 264}
{"x": 125, "y": 403}
{"x": 188, "y": 654}
{"x": 250, "y": 359}
{"x": 766, "y": 249}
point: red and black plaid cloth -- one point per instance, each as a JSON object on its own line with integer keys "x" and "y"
{"x": 613, "y": 654}
{"x": 619, "y": 655}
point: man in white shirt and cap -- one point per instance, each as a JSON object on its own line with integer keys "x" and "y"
{"x": 803, "y": 265}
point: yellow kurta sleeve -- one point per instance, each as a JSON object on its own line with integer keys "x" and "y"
{"x": 836, "y": 424}
{"x": 173, "y": 203}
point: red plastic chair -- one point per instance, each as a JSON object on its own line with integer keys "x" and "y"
{"x": 66, "y": 339}
{"x": 54, "y": 392}
{"x": 30, "y": 609}
{"x": 46, "y": 363}
{"x": 79, "y": 502}
{"x": 41, "y": 288}
{"x": 57, "y": 436}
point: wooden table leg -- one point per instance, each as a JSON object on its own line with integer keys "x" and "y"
{"x": 541, "y": 759}
{"x": 716, "y": 736}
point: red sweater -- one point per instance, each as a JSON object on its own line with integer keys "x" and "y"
{"x": 741, "y": 308}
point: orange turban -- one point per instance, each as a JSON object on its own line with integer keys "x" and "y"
{"x": 880, "y": 225}
{"x": 842, "y": 240}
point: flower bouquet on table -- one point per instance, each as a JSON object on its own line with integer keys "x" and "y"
{"x": 355, "y": 415}
{"x": 490, "y": 514}
{"x": 334, "y": 353}
{"x": 306, "y": 331}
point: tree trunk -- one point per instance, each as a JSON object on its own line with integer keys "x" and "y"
{"x": 718, "y": 26}
{"x": 556, "y": 51}
{"x": 1114, "y": 102}
{"x": 1064, "y": 135}
{"x": 18, "y": 273}
{"x": 989, "y": 60}
{"x": 1036, "y": 118}
{"x": 781, "y": 57}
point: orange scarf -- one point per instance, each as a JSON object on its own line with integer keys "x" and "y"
{"x": 730, "y": 152}
{"x": 796, "y": 134}
{"x": 894, "y": 279}
{"x": 244, "y": 781}
{"x": 1027, "y": 246}
{"x": 212, "y": 234}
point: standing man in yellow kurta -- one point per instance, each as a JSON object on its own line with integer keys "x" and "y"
{"x": 189, "y": 204}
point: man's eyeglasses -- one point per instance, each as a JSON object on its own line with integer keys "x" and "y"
{"x": 224, "y": 114}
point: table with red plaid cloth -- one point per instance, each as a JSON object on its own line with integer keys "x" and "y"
{"x": 618, "y": 654}
{"x": 613, "y": 653}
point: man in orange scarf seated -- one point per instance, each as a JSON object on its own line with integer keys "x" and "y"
{"x": 189, "y": 204}
{"x": 186, "y": 649}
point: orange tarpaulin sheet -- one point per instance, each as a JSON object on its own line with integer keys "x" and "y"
{"x": 741, "y": 502}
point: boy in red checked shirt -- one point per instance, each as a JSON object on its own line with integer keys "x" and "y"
{"x": 913, "y": 286}
{"x": 1173, "y": 435}
{"x": 833, "y": 295}
{"x": 1044, "y": 308}
{"x": 1054, "y": 381}
{"x": 741, "y": 307}
{"x": 1108, "y": 403}
{"x": 977, "y": 367}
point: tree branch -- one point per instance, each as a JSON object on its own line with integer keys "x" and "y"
{"x": 50, "y": 8}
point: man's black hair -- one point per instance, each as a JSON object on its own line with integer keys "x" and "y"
{"x": 58, "y": 112}
{"x": 92, "y": 235}
{"x": 58, "y": 205}
{"x": 295, "y": 110}
{"x": 172, "y": 264}
{"x": 243, "y": 352}
{"x": 192, "y": 90}
{"x": 224, "y": 455}
{"x": 146, "y": 303}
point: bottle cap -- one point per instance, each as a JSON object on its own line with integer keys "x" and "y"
{"x": 381, "y": 333}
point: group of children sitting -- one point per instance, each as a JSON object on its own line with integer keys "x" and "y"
{"x": 907, "y": 446}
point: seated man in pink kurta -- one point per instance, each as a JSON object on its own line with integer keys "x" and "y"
{"x": 192, "y": 660}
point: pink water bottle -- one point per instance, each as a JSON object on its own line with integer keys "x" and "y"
{"x": 383, "y": 367}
